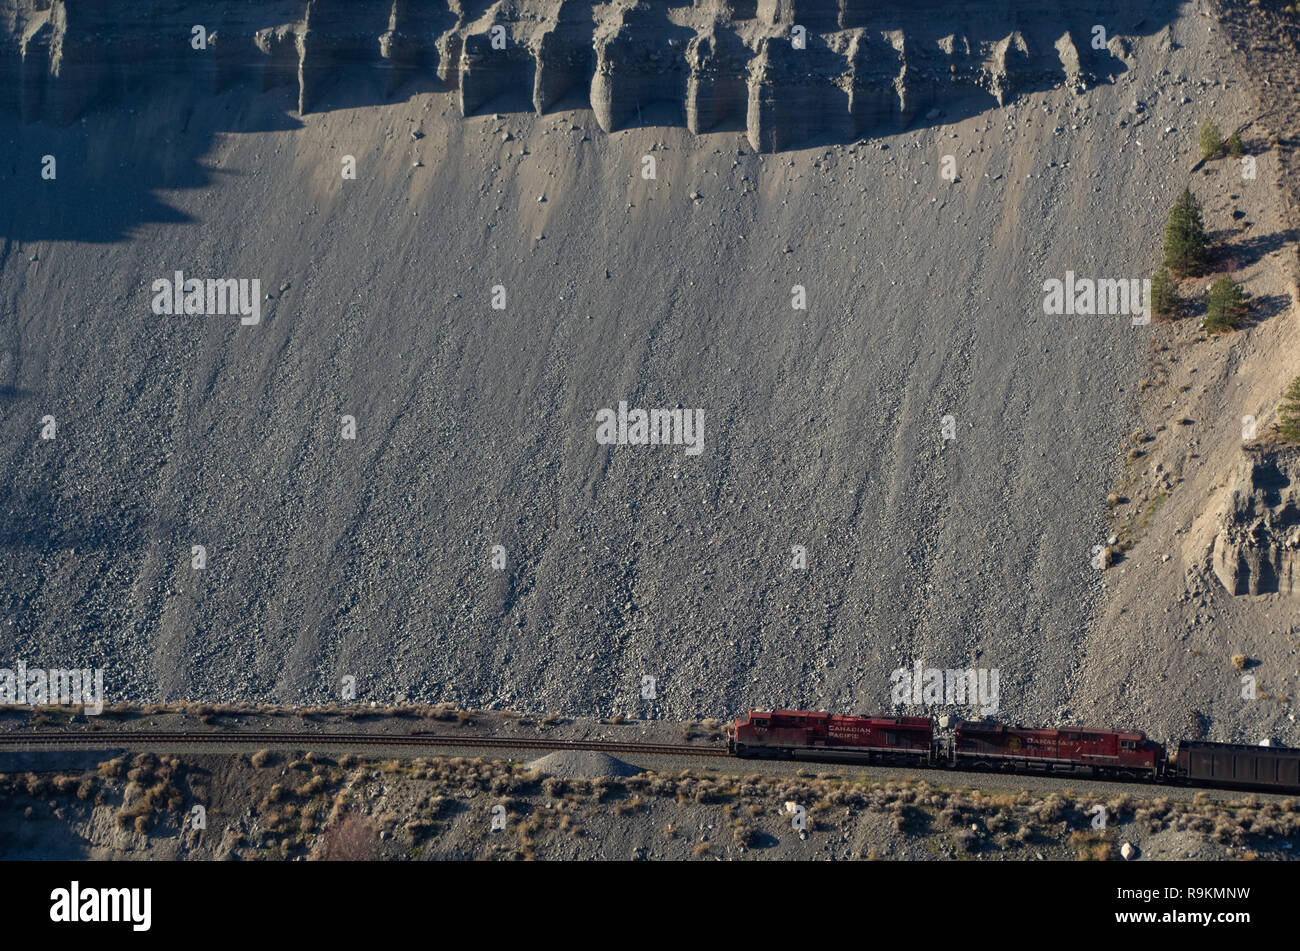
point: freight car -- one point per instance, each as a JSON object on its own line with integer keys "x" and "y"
{"x": 1236, "y": 766}
{"x": 803, "y": 733}
{"x": 1083, "y": 750}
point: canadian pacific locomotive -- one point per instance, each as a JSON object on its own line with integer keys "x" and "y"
{"x": 989, "y": 746}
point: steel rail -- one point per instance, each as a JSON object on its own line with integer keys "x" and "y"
{"x": 136, "y": 738}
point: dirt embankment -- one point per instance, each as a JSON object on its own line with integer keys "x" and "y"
{"x": 277, "y": 806}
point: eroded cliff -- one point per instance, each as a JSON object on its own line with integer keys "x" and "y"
{"x": 787, "y": 71}
{"x": 1257, "y": 550}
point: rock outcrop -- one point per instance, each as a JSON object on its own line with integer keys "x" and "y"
{"x": 1257, "y": 550}
{"x": 790, "y": 70}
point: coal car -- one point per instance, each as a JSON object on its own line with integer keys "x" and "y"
{"x": 1238, "y": 766}
{"x": 821, "y": 735}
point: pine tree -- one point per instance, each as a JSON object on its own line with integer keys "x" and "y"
{"x": 1236, "y": 148}
{"x": 1211, "y": 140}
{"x": 1186, "y": 248}
{"x": 1163, "y": 302}
{"x": 1227, "y": 305}
{"x": 1288, "y": 426}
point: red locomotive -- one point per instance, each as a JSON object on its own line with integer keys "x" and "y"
{"x": 791, "y": 733}
{"x": 987, "y": 745}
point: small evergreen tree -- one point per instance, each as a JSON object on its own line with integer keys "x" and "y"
{"x": 1288, "y": 425}
{"x": 1163, "y": 302}
{"x": 1211, "y": 140}
{"x": 1227, "y": 306}
{"x": 1186, "y": 248}
{"x": 1235, "y": 146}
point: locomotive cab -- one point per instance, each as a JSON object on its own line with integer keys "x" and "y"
{"x": 744, "y": 731}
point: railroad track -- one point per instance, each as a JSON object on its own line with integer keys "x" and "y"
{"x": 132, "y": 739}
{"x": 137, "y": 738}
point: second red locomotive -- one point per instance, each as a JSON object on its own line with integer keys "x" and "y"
{"x": 987, "y": 745}
{"x": 794, "y": 733}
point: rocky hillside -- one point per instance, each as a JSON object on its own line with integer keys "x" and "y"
{"x": 395, "y": 475}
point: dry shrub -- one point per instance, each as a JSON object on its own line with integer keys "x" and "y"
{"x": 353, "y": 838}
{"x": 310, "y": 788}
{"x": 418, "y": 828}
{"x": 1092, "y": 846}
{"x": 262, "y": 758}
{"x": 555, "y": 786}
{"x": 626, "y": 807}
{"x": 1050, "y": 809}
{"x": 744, "y": 834}
{"x": 967, "y": 839}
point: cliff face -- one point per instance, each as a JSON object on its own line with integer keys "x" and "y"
{"x": 1257, "y": 550}
{"x": 787, "y": 69}
{"x": 372, "y": 557}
